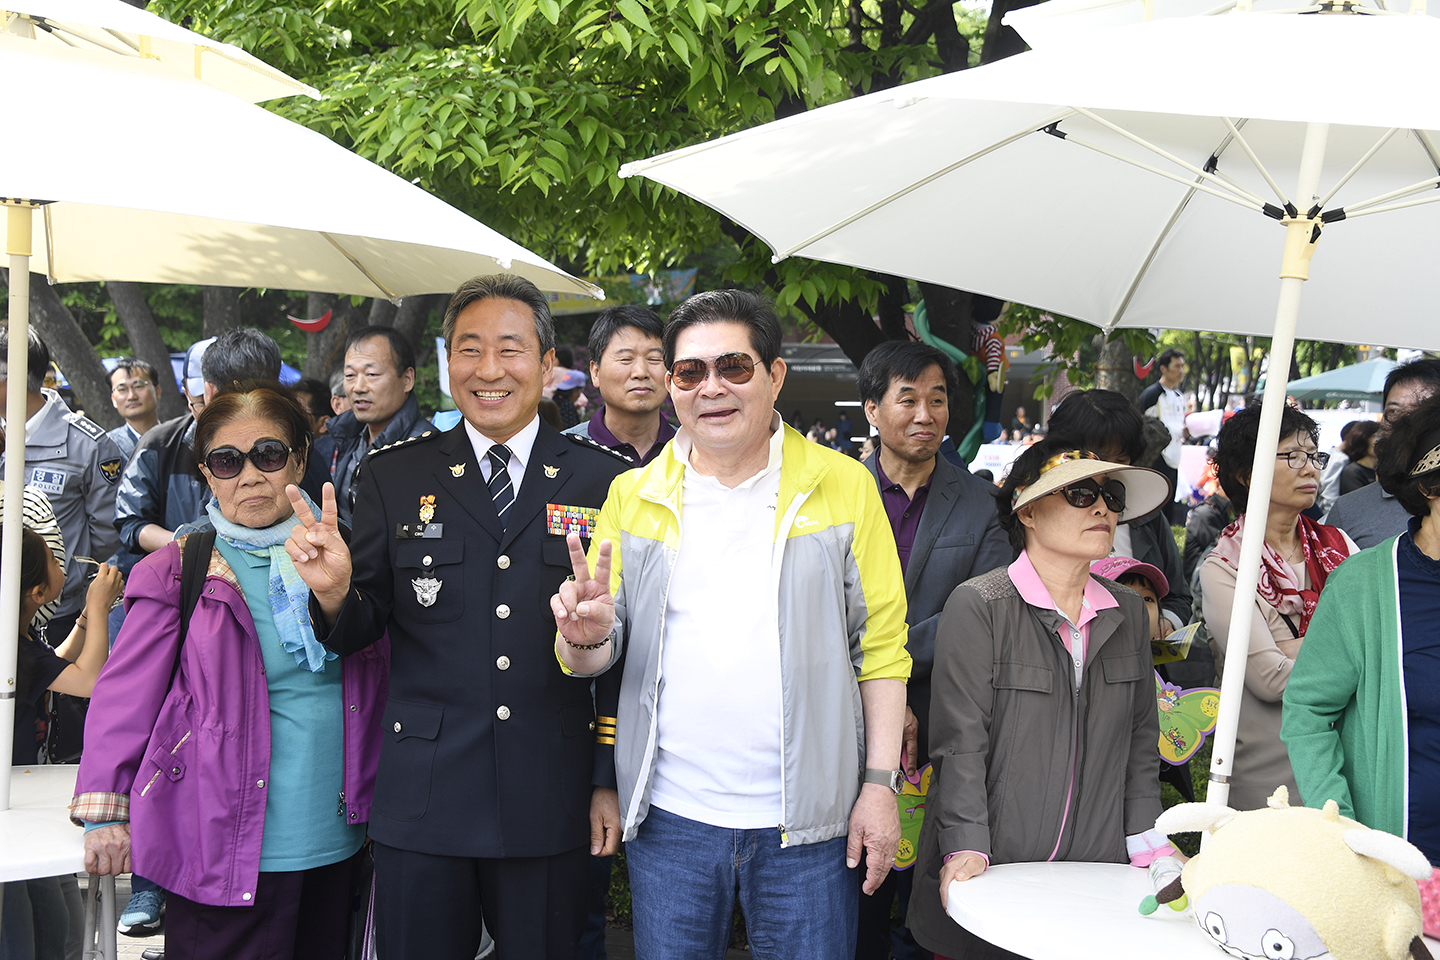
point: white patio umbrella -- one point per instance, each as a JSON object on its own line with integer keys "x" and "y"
{"x": 1154, "y": 176}
{"x": 1058, "y": 21}
{"x": 115, "y": 28}
{"x": 186, "y": 184}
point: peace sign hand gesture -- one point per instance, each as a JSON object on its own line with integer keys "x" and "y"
{"x": 320, "y": 554}
{"x": 584, "y": 609}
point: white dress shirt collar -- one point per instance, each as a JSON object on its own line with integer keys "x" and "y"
{"x": 521, "y": 445}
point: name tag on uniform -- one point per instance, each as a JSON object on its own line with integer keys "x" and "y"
{"x": 418, "y": 531}
{"x": 47, "y": 481}
{"x": 561, "y": 519}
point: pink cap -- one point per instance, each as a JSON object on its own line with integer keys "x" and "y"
{"x": 1112, "y": 568}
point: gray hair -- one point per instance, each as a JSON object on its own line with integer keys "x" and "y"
{"x": 504, "y": 286}
{"x": 243, "y": 354}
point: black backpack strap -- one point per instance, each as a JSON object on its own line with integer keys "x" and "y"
{"x": 194, "y": 565}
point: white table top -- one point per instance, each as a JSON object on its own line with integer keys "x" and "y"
{"x": 1077, "y": 911}
{"x": 37, "y": 838}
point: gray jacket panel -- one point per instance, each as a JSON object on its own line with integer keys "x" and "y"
{"x": 1013, "y": 745}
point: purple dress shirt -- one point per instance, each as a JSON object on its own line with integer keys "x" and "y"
{"x": 903, "y": 511}
{"x": 601, "y": 434}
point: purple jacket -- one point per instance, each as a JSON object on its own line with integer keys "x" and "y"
{"x": 187, "y": 763}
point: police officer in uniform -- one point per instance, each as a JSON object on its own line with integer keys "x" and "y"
{"x": 71, "y": 460}
{"x": 486, "y": 775}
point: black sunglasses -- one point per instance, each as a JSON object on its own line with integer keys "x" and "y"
{"x": 689, "y": 373}
{"x": 225, "y": 463}
{"x": 1085, "y": 492}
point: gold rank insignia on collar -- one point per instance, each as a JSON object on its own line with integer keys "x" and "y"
{"x": 457, "y": 470}
{"x": 551, "y": 472}
{"x": 427, "y": 508}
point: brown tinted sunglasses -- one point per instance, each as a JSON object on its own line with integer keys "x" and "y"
{"x": 689, "y": 373}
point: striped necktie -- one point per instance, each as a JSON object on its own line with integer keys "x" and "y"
{"x": 502, "y": 491}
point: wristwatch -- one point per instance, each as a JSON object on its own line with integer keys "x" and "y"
{"x": 893, "y": 779}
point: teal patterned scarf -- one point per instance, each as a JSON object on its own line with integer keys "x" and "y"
{"x": 289, "y": 596}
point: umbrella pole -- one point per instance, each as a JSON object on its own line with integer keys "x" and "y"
{"x": 17, "y": 245}
{"x": 1294, "y": 271}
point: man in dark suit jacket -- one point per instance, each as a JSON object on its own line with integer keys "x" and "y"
{"x": 946, "y": 531}
{"x": 484, "y": 788}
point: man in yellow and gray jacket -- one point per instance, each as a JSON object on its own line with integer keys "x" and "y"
{"x": 747, "y": 585}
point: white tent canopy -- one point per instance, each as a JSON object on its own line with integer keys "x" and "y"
{"x": 185, "y": 185}
{"x": 113, "y": 27}
{"x": 953, "y": 180}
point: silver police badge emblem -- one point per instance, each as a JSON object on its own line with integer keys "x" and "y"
{"x": 426, "y": 590}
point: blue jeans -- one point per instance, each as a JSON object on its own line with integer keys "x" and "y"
{"x": 800, "y": 903}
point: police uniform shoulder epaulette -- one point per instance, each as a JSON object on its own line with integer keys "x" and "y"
{"x": 408, "y": 441}
{"x": 595, "y": 445}
{"x": 85, "y": 425}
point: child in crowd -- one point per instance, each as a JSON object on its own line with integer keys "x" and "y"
{"x": 1143, "y": 578}
{"x": 36, "y": 916}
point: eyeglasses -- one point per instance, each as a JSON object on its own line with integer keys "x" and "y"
{"x": 689, "y": 373}
{"x": 1085, "y": 492}
{"x": 1296, "y": 459}
{"x": 125, "y": 389}
{"x": 225, "y": 463}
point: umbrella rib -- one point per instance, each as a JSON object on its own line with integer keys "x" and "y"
{"x": 1235, "y": 198}
{"x": 359, "y": 266}
{"x": 135, "y": 47}
{"x": 1240, "y": 139}
{"x": 1429, "y": 148}
{"x": 1352, "y": 209}
{"x": 1387, "y": 207}
{"x": 59, "y": 28}
{"x": 1155, "y": 248}
{"x": 816, "y": 238}
{"x": 1319, "y": 205}
{"x": 1141, "y": 141}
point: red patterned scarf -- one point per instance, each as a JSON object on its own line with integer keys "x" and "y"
{"x": 1325, "y": 547}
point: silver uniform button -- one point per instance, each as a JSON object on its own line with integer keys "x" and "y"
{"x": 503, "y": 663}
{"x": 503, "y": 562}
{"x": 503, "y": 712}
{"x": 428, "y": 560}
{"x": 502, "y": 611}
{"x": 397, "y": 726}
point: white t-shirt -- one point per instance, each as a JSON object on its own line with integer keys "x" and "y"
{"x": 1170, "y": 408}
{"x": 718, "y": 725}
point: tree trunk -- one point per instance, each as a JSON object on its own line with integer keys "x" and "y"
{"x": 382, "y": 313}
{"x": 69, "y": 348}
{"x": 1115, "y": 369}
{"x": 1002, "y": 41}
{"x": 222, "y": 310}
{"x": 325, "y": 351}
{"x": 411, "y": 318}
{"x": 146, "y": 342}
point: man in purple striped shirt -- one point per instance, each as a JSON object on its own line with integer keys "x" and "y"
{"x": 946, "y": 531}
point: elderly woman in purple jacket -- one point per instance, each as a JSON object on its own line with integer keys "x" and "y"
{"x": 235, "y": 764}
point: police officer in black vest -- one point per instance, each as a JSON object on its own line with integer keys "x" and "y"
{"x": 484, "y": 791}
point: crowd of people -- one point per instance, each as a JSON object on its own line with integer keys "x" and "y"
{"x": 453, "y": 671}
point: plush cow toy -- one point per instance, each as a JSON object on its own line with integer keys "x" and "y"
{"x": 1295, "y": 883}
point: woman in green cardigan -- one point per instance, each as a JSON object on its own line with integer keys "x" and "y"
{"x": 1362, "y": 706}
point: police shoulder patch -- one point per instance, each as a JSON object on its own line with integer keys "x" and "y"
{"x": 408, "y": 441}
{"x": 85, "y": 425}
{"x": 596, "y": 445}
{"x": 111, "y": 469}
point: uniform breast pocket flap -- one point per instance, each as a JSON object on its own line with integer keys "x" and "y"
{"x": 1128, "y": 668}
{"x": 430, "y": 580}
{"x": 404, "y": 720}
{"x": 556, "y": 552}
{"x": 1014, "y": 675}
{"x": 429, "y": 553}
